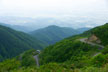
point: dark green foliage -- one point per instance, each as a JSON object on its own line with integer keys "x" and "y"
{"x": 105, "y": 50}
{"x": 52, "y": 34}
{"x": 12, "y": 43}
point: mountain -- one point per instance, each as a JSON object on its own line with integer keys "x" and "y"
{"x": 81, "y": 30}
{"x": 12, "y": 42}
{"x": 31, "y": 24}
{"x": 53, "y": 34}
{"x": 17, "y": 27}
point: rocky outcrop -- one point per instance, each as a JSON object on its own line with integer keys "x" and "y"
{"x": 94, "y": 38}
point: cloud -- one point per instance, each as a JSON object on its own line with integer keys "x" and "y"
{"x": 0, "y": 2}
{"x": 48, "y": 7}
{"x": 106, "y": 3}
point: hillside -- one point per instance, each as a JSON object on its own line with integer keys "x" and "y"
{"x": 66, "y": 49}
{"x": 12, "y": 43}
{"x": 69, "y": 51}
{"x": 100, "y": 32}
{"x": 53, "y": 34}
{"x": 72, "y": 50}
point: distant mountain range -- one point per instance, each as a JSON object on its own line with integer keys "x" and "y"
{"x": 12, "y": 42}
{"x": 31, "y": 24}
{"x": 50, "y": 34}
{"x": 17, "y": 27}
{"x": 53, "y": 34}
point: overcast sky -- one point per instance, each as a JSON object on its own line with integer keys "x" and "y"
{"x": 52, "y": 7}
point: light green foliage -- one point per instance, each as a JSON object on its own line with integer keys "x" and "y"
{"x": 54, "y": 67}
{"x": 9, "y": 65}
{"x": 99, "y": 60}
{"x": 21, "y": 62}
{"x": 27, "y": 59}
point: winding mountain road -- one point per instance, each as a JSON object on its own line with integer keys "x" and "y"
{"x": 84, "y": 40}
{"x": 36, "y": 57}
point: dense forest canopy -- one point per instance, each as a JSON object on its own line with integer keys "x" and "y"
{"x": 12, "y": 42}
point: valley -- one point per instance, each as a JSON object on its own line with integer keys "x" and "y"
{"x": 53, "y": 35}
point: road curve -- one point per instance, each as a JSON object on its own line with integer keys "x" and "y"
{"x": 84, "y": 40}
{"x": 93, "y": 44}
{"x": 37, "y": 60}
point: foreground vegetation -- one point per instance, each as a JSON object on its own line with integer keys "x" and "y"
{"x": 14, "y": 65}
{"x": 83, "y": 62}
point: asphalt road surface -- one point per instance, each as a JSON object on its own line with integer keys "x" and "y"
{"x": 37, "y": 60}
{"x": 93, "y": 44}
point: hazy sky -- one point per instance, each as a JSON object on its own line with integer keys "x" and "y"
{"x": 52, "y": 7}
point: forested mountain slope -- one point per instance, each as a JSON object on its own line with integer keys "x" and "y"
{"x": 53, "y": 34}
{"x": 13, "y": 42}
{"x": 72, "y": 50}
